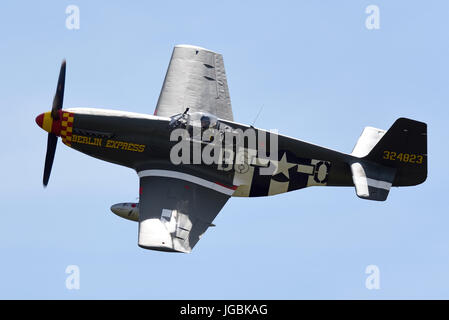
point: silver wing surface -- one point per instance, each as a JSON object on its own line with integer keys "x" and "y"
{"x": 173, "y": 212}
{"x": 195, "y": 79}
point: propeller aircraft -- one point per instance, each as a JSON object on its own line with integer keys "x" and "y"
{"x": 191, "y": 156}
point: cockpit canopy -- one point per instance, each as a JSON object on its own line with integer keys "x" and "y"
{"x": 201, "y": 120}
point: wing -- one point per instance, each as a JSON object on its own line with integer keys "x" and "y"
{"x": 195, "y": 79}
{"x": 173, "y": 212}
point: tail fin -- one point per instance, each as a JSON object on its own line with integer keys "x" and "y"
{"x": 404, "y": 147}
{"x": 397, "y": 157}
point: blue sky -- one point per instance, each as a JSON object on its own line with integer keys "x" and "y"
{"x": 320, "y": 75}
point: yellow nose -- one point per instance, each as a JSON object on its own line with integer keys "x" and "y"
{"x": 45, "y": 121}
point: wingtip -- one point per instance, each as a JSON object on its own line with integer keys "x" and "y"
{"x": 189, "y": 46}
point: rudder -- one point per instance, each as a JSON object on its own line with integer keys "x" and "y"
{"x": 403, "y": 147}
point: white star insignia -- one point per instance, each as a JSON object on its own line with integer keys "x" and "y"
{"x": 283, "y": 166}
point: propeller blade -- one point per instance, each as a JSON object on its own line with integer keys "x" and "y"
{"x": 51, "y": 148}
{"x": 59, "y": 95}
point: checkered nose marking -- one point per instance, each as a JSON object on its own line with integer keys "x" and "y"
{"x": 61, "y": 127}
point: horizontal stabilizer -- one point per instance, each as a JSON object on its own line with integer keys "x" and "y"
{"x": 368, "y": 139}
{"x": 372, "y": 181}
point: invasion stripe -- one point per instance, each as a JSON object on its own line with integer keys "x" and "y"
{"x": 187, "y": 177}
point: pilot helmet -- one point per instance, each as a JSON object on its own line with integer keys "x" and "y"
{"x": 205, "y": 122}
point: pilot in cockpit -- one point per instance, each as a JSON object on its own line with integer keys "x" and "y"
{"x": 205, "y": 122}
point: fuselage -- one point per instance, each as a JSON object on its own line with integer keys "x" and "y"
{"x": 141, "y": 141}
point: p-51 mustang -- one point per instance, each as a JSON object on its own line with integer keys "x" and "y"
{"x": 180, "y": 192}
